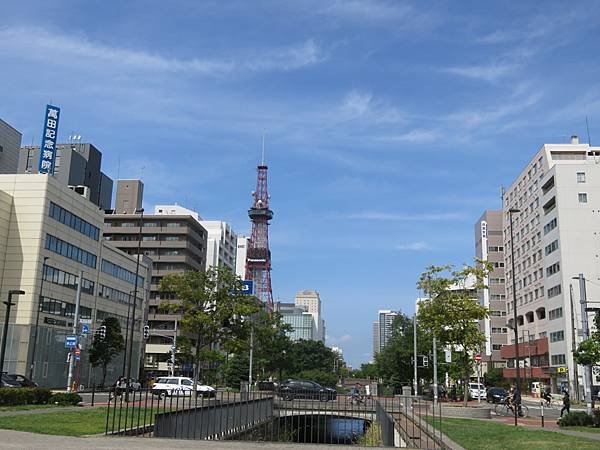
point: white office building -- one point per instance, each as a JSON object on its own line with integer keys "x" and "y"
{"x": 240, "y": 256}
{"x": 312, "y": 301}
{"x": 556, "y": 237}
{"x": 382, "y": 329}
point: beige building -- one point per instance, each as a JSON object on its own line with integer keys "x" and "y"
{"x": 489, "y": 246}
{"x": 175, "y": 243}
{"x": 40, "y": 217}
{"x": 555, "y": 238}
{"x": 10, "y": 143}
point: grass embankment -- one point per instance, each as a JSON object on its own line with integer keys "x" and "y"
{"x": 26, "y": 407}
{"x": 75, "y": 423}
{"x": 487, "y": 435}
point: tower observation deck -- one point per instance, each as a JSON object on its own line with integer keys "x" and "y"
{"x": 258, "y": 258}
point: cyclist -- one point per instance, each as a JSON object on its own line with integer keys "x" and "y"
{"x": 546, "y": 395}
{"x": 356, "y": 394}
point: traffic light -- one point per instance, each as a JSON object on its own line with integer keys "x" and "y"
{"x": 102, "y": 332}
{"x": 425, "y": 361}
{"x": 146, "y": 332}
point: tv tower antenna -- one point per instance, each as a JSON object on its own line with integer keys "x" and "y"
{"x": 258, "y": 259}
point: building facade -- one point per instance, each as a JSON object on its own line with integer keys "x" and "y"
{"x": 240, "y": 256}
{"x": 382, "y": 330}
{"x": 10, "y": 143}
{"x": 48, "y": 235}
{"x": 221, "y": 244}
{"x": 77, "y": 164}
{"x": 130, "y": 194}
{"x": 175, "y": 243}
{"x": 555, "y": 239}
{"x": 302, "y": 322}
{"x": 311, "y": 300}
{"x": 489, "y": 246}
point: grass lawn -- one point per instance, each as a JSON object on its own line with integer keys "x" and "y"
{"x": 75, "y": 423}
{"x": 25, "y": 407}
{"x": 585, "y": 429}
{"x": 488, "y": 435}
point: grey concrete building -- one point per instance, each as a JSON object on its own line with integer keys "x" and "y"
{"x": 10, "y": 142}
{"x": 129, "y": 196}
{"x": 77, "y": 164}
{"x": 174, "y": 243}
{"x": 489, "y": 246}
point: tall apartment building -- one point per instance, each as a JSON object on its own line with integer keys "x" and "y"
{"x": 382, "y": 329}
{"x": 130, "y": 194}
{"x": 77, "y": 164}
{"x": 555, "y": 238}
{"x": 221, "y": 240}
{"x": 489, "y": 246}
{"x": 48, "y": 234}
{"x": 312, "y": 301}
{"x": 175, "y": 242}
{"x": 240, "y": 256}
{"x": 10, "y": 143}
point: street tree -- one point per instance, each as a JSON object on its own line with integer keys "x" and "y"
{"x": 104, "y": 349}
{"x": 588, "y": 351}
{"x": 451, "y": 311}
{"x": 271, "y": 343}
{"x": 212, "y": 308}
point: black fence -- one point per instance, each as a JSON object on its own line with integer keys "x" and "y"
{"x": 301, "y": 417}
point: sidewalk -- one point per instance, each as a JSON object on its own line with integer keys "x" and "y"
{"x": 20, "y": 440}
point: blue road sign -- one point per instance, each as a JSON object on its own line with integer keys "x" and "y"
{"x": 248, "y": 287}
{"x": 70, "y": 341}
{"x": 85, "y": 329}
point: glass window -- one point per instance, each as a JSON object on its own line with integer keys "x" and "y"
{"x": 581, "y": 177}
{"x": 582, "y": 197}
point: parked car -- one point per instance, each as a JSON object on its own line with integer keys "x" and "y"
{"x": 22, "y": 380}
{"x": 496, "y": 395}
{"x": 180, "y": 386}
{"x": 9, "y": 382}
{"x": 477, "y": 390}
{"x": 266, "y": 386}
{"x": 293, "y": 389}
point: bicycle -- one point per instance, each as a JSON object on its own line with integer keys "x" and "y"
{"x": 550, "y": 404}
{"x": 503, "y": 409}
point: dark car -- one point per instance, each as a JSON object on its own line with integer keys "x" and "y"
{"x": 293, "y": 389}
{"x": 496, "y": 395}
{"x": 442, "y": 393}
{"x": 266, "y": 385}
{"x": 22, "y": 380}
{"x": 9, "y": 382}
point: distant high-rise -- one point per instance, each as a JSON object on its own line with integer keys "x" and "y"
{"x": 240, "y": 256}
{"x": 312, "y": 301}
{"x": 221, "y": 244}
{"x": 129, "y": 196}
{"x": 77, "y": 165}
{"x": 382, "y": 330}
{"x": 10, "y": 142}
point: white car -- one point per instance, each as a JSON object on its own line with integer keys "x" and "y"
{"x": 176, "y": 386}
{"x": 477, "y": 391}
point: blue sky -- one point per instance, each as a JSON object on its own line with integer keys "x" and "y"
{"x": 390, "y": 126}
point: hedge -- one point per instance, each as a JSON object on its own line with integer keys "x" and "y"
{"x": 66, "y": 398}
{"x": 24, "y": 396}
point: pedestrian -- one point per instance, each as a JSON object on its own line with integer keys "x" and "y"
{"x": 453, "y": 393}
{"x": 566, "y": 404}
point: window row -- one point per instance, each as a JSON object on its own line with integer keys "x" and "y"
{"x": 498, "y": 297}
{"x": 554, "y": 291}
{"x": 554, "y": 268}
{"x": 121, "y": 273}
{"x": 115, "y": 295}
{"x": 557, "y": 336}
{"x": 558, "y": 360}
{"x": 499, "y": 330}
{"x": 550, "y": 226}
{"x": 555, "y": 313}
{"x": 70, "y": 251}
{"x": 64, "y": 309}
{"x": 72, "y": 221}
{"x": 66, "y": 279}
{"x": 553, "y": 246}
{"x": 495, "y": 248}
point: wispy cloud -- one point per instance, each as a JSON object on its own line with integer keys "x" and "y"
{"x": 416, "y": 136}
{"x": 488, "y": 72}
{"x": 413, "y": 246}
{"x": 332, "y": 340}
{"x": 367, "y": 10}
{"x": 357, "y": 104}
{"x": 43, "y": 45}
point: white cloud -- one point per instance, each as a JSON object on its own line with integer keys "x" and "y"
{"x": 415, "y": 246}
{"x": 362, "y": 105}
{"x": 489, "y": 72}
{"x": 366, "y": 10}
{"x": 43, "y": 45}
{"x": 345, "y": 338}
{"x": 416, "y": 136}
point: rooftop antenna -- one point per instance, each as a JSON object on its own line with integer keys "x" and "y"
{"x": 262, "y": 161}
{"x": 587, "y": 126}
{"x": 118, "y": 165}
{"x": 142, "y": 172}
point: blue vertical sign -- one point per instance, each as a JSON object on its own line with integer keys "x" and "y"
{"x": 48, "y": 147}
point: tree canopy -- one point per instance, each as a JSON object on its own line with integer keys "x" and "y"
{"x": 103, "y": 350}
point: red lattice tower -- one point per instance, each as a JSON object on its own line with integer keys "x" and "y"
{"x": 258, "y": 259}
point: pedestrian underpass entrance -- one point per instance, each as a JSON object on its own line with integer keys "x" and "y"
{"x": 264, "y": 416}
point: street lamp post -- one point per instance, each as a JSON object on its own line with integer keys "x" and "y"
{"x": 137, "y": 269}
{"x": 37, "y": 318}
{"x": 127, "y": 332}
{"x": 514, "y": 291}
{"x": 8, "y": 304}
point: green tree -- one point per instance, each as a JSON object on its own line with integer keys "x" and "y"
{"x": 103, "y": 350}
{"x": 588, "y": 351}
{"x": 271, "y": 344}
{"x": 310, "y": 355}
{"x": 324, "y": 378}
{"x": 235, "y": 370}
{"x": 451, "y": 312}
{"x": 367, "y": 370}
{"x": 213, "y": 311}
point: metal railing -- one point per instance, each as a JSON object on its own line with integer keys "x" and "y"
{"x": 320, "y": 417}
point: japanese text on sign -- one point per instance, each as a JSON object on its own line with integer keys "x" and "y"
{"x": 48, "y": 147}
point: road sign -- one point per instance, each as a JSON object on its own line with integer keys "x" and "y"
{"x": 85, "y": 329}
{"x": 248, "y": 287}
{"x": 70, "y": 341}
{"x": 448, "y": 355}
{"x": 478, "y": 358}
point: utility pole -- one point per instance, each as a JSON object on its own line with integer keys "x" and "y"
{"x": 435, "y": 377}
{"x": 574, "y": 346}
{"x": 37, "y": 318}
{"x": 415, "y": 371}
{"x": 514, "y": 292}
{"x": 251, "y": 356}
{"x": 75, "y": 333}
{"x": 587, "y": 370}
